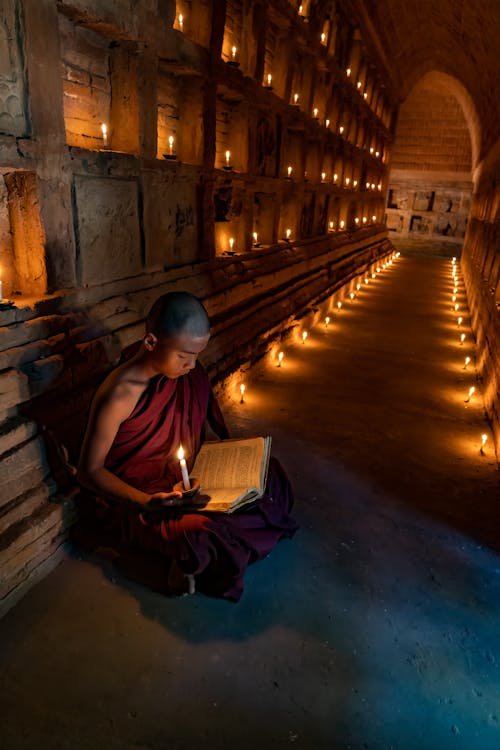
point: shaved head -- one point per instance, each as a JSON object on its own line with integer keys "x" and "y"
{"x": 178, "y": 313}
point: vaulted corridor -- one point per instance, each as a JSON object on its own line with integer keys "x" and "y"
{"x": 376, "y": 627}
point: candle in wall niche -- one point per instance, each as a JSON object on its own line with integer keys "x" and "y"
{"x": 255, "y": 237}
{"x": 242, "y": 393}
{"x": 304, "y": 336}
{"x": 359, "y": 84}
{"x": 289, "y": 170}
{"x": 379, "y": 186}
{"x": 181, "y": 22}
{"x": 358, "y": 286}
{"x": 315, "y": 112}
{"x": 335, "y": 177}
{"x": 348, "y": 72}
{"x": 356, "y": 220}
{"x": 484, "y": 438}
{"x": 231, "y": 243}
{"x": 462, "y": 339}
{"x": 347, "y": 180}
{"x": 295, "y": 99}
{"x": 342, "y": 224}
{"x": 365, "y": 95}
{"x": 377, "y": 154}
{"x": 352, "y": 296}
{"x": 288, "y": 233}
{"x": 466, "y": 362}
{"x": 184, "y": 471}
{"x": 371, "y": 149}
{"x": 374, "y": 218}
{"x": 233, "y": 52}
{"x": 104, "y": 130}
{"x": 280, "y": 358}
{"x": 330, "y": 226}
{"x": 228, "y": 158}
{"x": 367, "y": 281}
{"x": 269, "y": 80}
{"x": 323, "y": 176}
{"x": 469, "y": 394}
{"x": 459, "y": 322}
{"x": 171, "y": 144}
{"x": 327, "y": 321}
{"x": 327, "y": 123}
{"x": 355, "y": 183}
{"x": 341, "y": 129}
{"x": 323, "y": 38}
{"x": 373, "y": 186}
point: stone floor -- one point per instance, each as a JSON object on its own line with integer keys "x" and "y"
{"x": 377, "y": 627}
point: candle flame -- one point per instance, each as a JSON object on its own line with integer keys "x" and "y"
{"x": 228, "y": 156}
{"x": 484, "y": 438}
{"x": 233, "y": 52}
{"x": 242, "y": 388}
{"x": 180, "y": 453}
{"x": 104, "y": 129}
{"x": 231, "y": 242}
{"x": 304, "y": 336}
{"x": 280, "y": 357}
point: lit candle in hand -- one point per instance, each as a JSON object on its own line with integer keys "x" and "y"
{"x": 185, "y": 475}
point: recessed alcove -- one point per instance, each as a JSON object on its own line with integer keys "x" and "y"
{"x": 288, "y": 225}
{"x": 231, "y": 131}
{"x": 294, "y": 156}
{"x": 196, "y": 20}
{"x": 168, "y": 112}
{"x": 278, "y": 51}
{"x": 85, "y": 71}
{"x": 22, "y": 238}
{"x": 302, "y": 83}
{"x": 265, "y": 207}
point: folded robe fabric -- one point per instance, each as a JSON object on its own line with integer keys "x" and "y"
{"x": 215, "y": 547}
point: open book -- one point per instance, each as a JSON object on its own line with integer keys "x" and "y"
{"x": 232, "y": 473}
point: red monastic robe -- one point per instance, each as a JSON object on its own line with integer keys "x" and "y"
{"x": 214, "y": 547}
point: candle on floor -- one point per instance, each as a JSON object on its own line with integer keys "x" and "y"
{"x": 242, "y": 392}
{"x": 185, "y": 474}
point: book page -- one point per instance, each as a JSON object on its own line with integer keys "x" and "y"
{"x": 229, "y": 464}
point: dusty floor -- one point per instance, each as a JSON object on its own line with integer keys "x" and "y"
{"x": 377, "y": 627}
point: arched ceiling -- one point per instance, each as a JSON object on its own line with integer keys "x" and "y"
{"x": 460, "y": 38}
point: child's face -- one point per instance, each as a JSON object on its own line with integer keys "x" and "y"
{"x": 175, "y": 356}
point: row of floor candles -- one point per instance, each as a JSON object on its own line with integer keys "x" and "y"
{"x": 455, "y": 306}
{"x": 352, "y": 296}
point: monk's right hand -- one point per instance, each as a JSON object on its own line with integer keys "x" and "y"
{"x": 164, "y": 499}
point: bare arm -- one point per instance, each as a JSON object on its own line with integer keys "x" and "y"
{"x": 111, "y": 406}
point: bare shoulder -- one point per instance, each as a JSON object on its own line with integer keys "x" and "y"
{"x": 120, "y": 391}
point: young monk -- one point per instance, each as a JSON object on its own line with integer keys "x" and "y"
{"x": 159, "y": 399}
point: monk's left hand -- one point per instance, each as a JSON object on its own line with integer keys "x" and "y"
{"x": 164, "y": 499}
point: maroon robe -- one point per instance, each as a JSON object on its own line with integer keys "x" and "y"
{"x": 214, "y": 547}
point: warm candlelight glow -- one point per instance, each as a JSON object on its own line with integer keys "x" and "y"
{"x": 339, "y": 304}
{"x": 300, "y": 10}
{"x": 242, "y": 391}
{"x": 377, "y": 153}
{"x": 365, "y": 95}
{"x": 459, "y": 321}
{"x": 356, "y": 220}
{"x": 374, "y": 218}
{"x": 280, "y": 358}
{"x": 323, "y": 38}
{"x": 348, "y": 72}
{"x": 228, "y": 157}
{"x": 469, "y": 394}
{"x": 453, "y": 297}
{"x": 364, "y": 219}
{"x": 341, "y": 129}
{"x": 269, "y": 79}
{"x": 352, "y": 296}
{"x": 347, "y": 180}
{"x": 371, "y": 149}
{"x": 367, "y": 281}
{"x": 171, "y": 144}
{"x": 355, "y": 183}
{"x": 289, "y": 170}
{"x": 327, "y": 123}
{"x": 255, "y": 237}
{"x": 184, "y": 471}
{"x": 342, "y": 223}
{"x": 323, "y": 176}
{"x": 104, "y": 130}
{"x": 466, "y": 362}
{"x": 373, "y": 186}
{"x": 233, "y": 52}
{"x": 335, "y": 177}
{"x": 331, "y": 226}
{"x": 462, "y": 339}
{"x": 359, "y": 84}
{"x": 315, "y": 112}
{"x": 327, "y": 320}
{"x": 379, "y": 186}
{"x": 358, "y": 286}
{"x": 456, "y": 307}
{"x": 484, "y": 438}
{"x": 231, "y": 242}
{"x": 288, "y": 233}
{"x": 295, "y": 98}
{"x": 304, "y": 336}
{"x": 374, "y": 275}
{"x": 181, "y": 21}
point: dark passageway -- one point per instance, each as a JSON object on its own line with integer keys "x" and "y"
{"x": 376, "y": 627}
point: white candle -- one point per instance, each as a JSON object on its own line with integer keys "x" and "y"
{"x": 289, "y": 171}
{"x": 233, "y": 52}
{"x": 185, "y": 474}
{"x": 171, "y": 144}
{"x": 269, "y": 79}
{"x": 255, "y": 236}
{"x": 104, "y": 130}
{"x": 304, "y": 336}
{"x": 327, "y": 123}
{"x": 467, "y": 360}
{"x": 181, "y": 21}
{"x": 280, "y": 359}
{"x": 327, "y": 320}
{"x": 231, "y": 242}
{"x": 228, "y": 157}
{"x": 315, "y": 112}
{"x": 288, "y": 233}
{"x": 242, "y": 391}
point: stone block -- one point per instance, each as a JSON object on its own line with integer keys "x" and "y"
{"x": 109, "y": 244}
{"x": 21, "y": 469}
{"x": 15, "y": 431}
{"x": 13, "y": 388}
{"x": 25, "y": 505}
